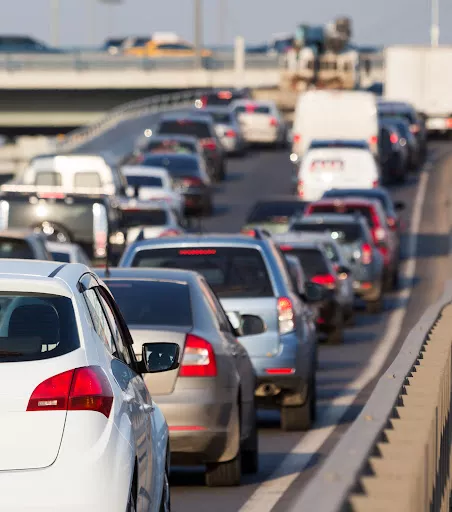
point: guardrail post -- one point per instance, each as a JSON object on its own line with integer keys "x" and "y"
{"x": 239, "y": 60}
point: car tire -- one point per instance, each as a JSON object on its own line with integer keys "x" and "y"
{"x": 131, "y": 505}
{"x": 250, "y": 452}
{"x": 300, "y": 417}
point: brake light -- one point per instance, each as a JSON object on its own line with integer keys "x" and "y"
{"x": 394, "y": 138}
{"x": 248, "y": 232}
{"x": 373, "y": 140}
{"x": 170, "y": 232}
{"x": 366, "y": 254}
{"x": 392, "y": 223}
{"x": 82, "y": 389}
{"x": 285, "y": 247}
{"x": 191, "y": 182}
{"x": 230, "y": 133}
{"x": 415, "y": 128}
{"x": 203, "y": 101}
{"x": 375, "y": 184}
{"x": 197, "y": 252}
{"x": 279, "y": 371}
{"x": 52, "y": 195}
{"x": 300, "y": 190}
{"x": 250, "y": 107}
{"x": 273, "y": 121}
{"x": 198, "y": 359}
{"x": 208, "y": 144}
{"x": 385, "y": 253}
{"x": 286, "y": 319}
{"x": 297, "y": 138}
{"x": 327, "y": 280}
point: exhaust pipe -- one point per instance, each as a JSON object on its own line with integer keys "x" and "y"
{"x": 269, "y": 389}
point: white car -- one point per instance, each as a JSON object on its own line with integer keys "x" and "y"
{"x": 336, "y": 164}
{"x": 260, "y": 122}
{"x": 67, "y": 253}
{"x": 79, "y": 428}
{"x": 153, "y": 184}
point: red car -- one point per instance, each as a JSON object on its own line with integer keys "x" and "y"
{"x": 383, "y": 236}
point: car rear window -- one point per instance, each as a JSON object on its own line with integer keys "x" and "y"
{"x": 365, "y": 211}
{"x": 230, "y": 271}
{"x": 407, "y": 115}
{"x": 48, "y": 178}
{"x": 134, "y": 218}
{"x": 351, "y": 144}
{"x": 87, "y": 180}
{"x": 312, "y": 260}
{"x": 275, "y": 212}
{"x": 252, "y": 109}
{"x": 152, "y": 303}
{"x": 341, "y": 232}
{"x": 175, "y": 166}
{"x": 15, "y": 248}
{"x": 170, "y": 147}
{"x": 36, "y": 326}
{"x": 191, "y": 127}
{"x": 61, "y": 256}
{"x": 383, "y": 199}
{"x": 219, "y": 98}
{"x": 221, "y": 117}
{"x": 144, "y": 181}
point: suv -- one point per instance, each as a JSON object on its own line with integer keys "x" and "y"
{"x": 384, "y": 239}
{"x": 366, "y": 262}
{"x": 201, "y": 127}
{"x": 250, "y": 276}
{"x": 222, "y": 97}
{"x": 24, "y": 245}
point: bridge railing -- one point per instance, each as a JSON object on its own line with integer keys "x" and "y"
{"x": 397, "y": 454}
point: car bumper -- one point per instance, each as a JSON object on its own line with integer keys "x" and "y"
{"x": 261, "y": 137}
{"x": 200, "y": 423}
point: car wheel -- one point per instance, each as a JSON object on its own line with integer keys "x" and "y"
{"x": 300, "y": 417}
{"x": 250, "y": 452}
{"x": 131, "y": 505}
{"x": 165, "y": 504}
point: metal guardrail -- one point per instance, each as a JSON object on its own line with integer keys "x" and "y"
{"x": 396, "y": 456}
{"x": 98, "y": 61}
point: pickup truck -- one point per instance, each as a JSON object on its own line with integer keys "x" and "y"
{"x": 85, "y": 219}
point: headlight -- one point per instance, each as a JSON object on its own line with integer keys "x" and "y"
{"x": 293, "y": 157}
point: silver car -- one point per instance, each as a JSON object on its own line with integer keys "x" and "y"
{"x": 209, "y": 401}
{"x": 68, "y": 253}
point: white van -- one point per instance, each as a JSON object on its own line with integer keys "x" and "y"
{"x": 338, "y": 115}
{"x": 324, "y": 168}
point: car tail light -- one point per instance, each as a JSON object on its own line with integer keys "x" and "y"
{"x": 279, "y": 371}
{"x": 415, "y": 128}
{"x": 273, "y": 121}
{"x": 394, "y": 138}
{"x": 375, "y": 184}
{"x": 297, "y": 138}
{"x": 198, "y": 359}
{"x": 286, "y": 318}
{"x": 366, "y": 254}
{"x": 191, "y": 182}
{"x": 385, "y": 253}
{"x": 327, "y": 280}
{"x": 285, "y": 248}
{"x": 373, "y": 140}
{"x": 171, "y": 232}
{"x": 203, "y": 101}
{"x": 300, "y": 190}
{"x": 208, "y": 144}
{"x": 230, "y": 133}
{"x": 82, "y": 389}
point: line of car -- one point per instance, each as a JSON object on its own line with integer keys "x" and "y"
{"x": 177, "y": 346}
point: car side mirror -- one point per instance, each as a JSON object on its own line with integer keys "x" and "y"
{"x": 160, "y": 357}
{"x": 399, "y": 205}
{"x": 252, "y": 325}
{"x": 235, "y": 319}
{"x": 314, "y": 293}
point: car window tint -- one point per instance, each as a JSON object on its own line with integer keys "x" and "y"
{"x": 36, "y": 326}
{"x": 15, "y": 248}
{"x": 99, "y": 319}
{"x": 133, "y": 218}
{"x": 194, "y": 128}
{"x": 87, "y": 179}
{"x": 313, "y": 261}
{"x": 48, "y": 178}
{"x": 216, "y": 307}
{"x": 145, "y": 181}
{"x": 61, "y": 256}
{"x": 365, "y": 211}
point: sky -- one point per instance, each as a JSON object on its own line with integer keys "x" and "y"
{"x": 90, "y": 22}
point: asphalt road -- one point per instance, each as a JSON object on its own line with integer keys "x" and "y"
{"x": 346, "y": 373}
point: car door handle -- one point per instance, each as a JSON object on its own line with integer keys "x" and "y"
{"x": 147, "y": 407}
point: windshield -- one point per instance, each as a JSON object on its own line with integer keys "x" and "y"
{"x": 341, "y": 232}
{"x": 144, "y": 181}
{"x": 36, "y": 326}
{"x": 152, "y": 303}
{"x": 365, "y": 211}
{"x": 133, "y": 218}
{"x": 15, "y": 248}
{"x": 278, "y": 213}
{"x": 230, "y": 271}
{"x": 175, "y": 166}
{"x": 312, "y": 261}
{"x": 195, "y": 128}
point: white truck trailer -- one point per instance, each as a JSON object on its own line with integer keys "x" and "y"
{"x": 422, "y": 76}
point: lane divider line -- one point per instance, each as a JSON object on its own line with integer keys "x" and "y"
{"x": 269, "y": 492}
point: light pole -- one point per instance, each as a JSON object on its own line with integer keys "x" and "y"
{"x": 55, "y": 22}
{"x": 434, "y": 27}
{"x": 222, "y": 13}
{"x": 197, "y": 21}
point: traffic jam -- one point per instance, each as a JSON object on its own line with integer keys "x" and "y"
{"x": 147, "y": 343}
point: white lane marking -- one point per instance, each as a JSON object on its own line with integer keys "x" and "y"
{"x": 269, "y": 492}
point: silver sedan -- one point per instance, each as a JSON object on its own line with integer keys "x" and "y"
{"x": 209, "y": 401}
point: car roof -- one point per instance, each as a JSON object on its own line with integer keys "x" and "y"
{"x": 356, "y": 201}
{"x": 156, "y": 274}
{"x": 399, "y": 105}
{"x": 248, "y": 101}
{"x": 144, "y": 170}
{"x": 222, "y": 109}
{"x": 299, "y": 242}
{"x": 177, "y": 156}
{"x": 335, "y": 218}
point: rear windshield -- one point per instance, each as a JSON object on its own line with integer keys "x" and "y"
{"x": 48, "y": 178}
{"x": 365, "y": 211}
{"x": 381, "y": 198}
{"x": 35, "y": 327}
{"x": 275, "y": 212}
{"x": 61, "y": 256}
{"x": 252, "y": 109}
{"x": 341, "y": 232}
{"x": 133, "y": 218}
{"x": 144, "y": 181}
{"x": 152, "y": 302}
{"x": 221, "y": 117}
{"x": 15, "y": 248}
{"x": 312, "y": 261}
{"x": 354, "y": 144}
{"x": 230, "y": 271}
{"x": 87, "y": 180}
{"x": 220, "y": 98}
{"x": 175, "y": 166}
{"x": 170, "y": 146}
{"x": 409, "y": 116}
{"x": 191, "y": 127}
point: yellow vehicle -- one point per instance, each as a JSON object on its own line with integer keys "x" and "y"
{"x": 166, "y": 49}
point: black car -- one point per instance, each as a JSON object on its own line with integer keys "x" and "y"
{"x": 190, "y": 178}
{"x": 222, "y": 97}
{"x": 414, "y": 150}
{"x": 415, "y": 120}
{"x": 392, "y": 155}
{"x": 201, "y": 127}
